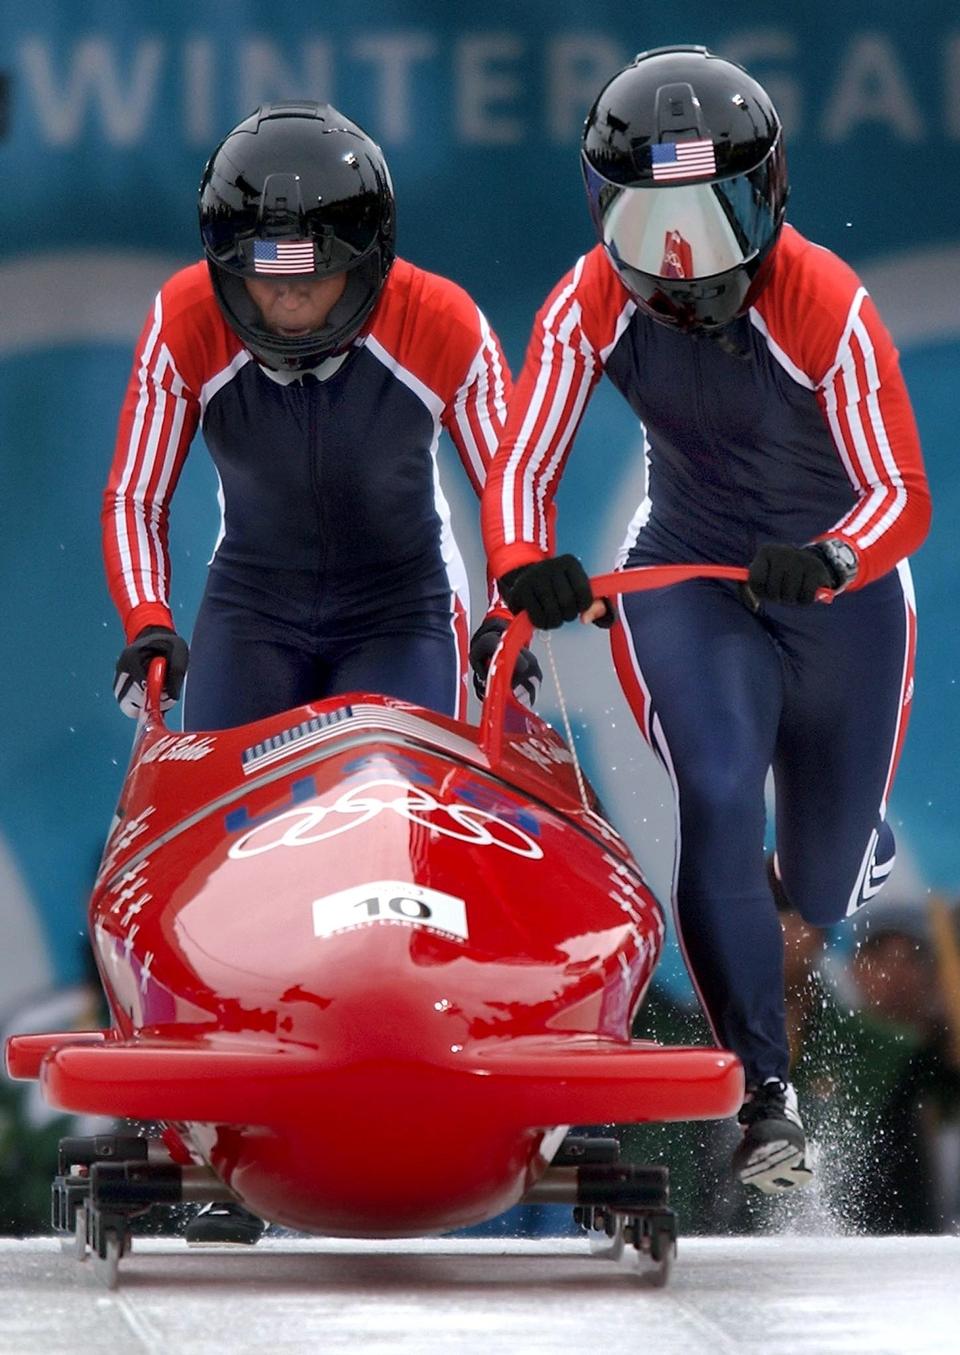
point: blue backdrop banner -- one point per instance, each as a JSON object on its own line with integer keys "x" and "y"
{"x": 107, "y": 114}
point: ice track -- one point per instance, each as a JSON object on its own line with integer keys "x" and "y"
{"x": 795, "y": 1295}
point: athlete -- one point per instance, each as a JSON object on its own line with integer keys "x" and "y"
{"x": 321, "y": 370}
{"x": 778, "y": 435}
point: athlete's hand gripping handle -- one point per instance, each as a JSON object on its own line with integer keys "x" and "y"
{"x": 550, "y": 591}
{"x": 131, "y": 674}
{"x": 791, "y": 575}
{"x": 527, "y": 675}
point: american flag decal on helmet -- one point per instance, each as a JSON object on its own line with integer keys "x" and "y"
{"x": 683, "y": 159}
{"x": 283, "y": 256}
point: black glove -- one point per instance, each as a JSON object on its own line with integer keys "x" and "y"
{"x": 789, "y": 574}
{"x": 526, "y": 671}
{"x": 550, "y": 592}
{"x": 130, "y": 684}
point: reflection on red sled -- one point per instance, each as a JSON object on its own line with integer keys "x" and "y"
{"x": 366, "y": 963}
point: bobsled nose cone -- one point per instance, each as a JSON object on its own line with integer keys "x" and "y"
{"x": 389, "y": 1020}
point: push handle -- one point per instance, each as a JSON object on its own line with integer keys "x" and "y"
{"x": 156, "y": 676}
{"x": 519, "y": 632}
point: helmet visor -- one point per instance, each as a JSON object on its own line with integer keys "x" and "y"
{"x": 693, "y": 230}
{"x": 296, "y": 352}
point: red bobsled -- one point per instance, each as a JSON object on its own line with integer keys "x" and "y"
{"x": 367, "y": 963}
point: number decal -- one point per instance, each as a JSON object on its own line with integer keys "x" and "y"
{"x": 390, "y": 901}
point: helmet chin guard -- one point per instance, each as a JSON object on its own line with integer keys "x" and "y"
{"x": 297, "y": 189}
{"x": 685, "y": 172}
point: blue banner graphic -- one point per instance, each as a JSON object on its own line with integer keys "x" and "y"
{"x": 107, "y": 114}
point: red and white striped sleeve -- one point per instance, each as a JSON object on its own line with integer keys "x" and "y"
{"x": 574, "y": 331}
{"x": 820, "y": 314}
{"x": 476, "y": 414}
{"x": 157, "y": 423}
{"x": 866, "y": 405}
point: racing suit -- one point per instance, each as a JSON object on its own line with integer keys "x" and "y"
{"x": 790, "y": 424}
{"x": 336, "y": 568}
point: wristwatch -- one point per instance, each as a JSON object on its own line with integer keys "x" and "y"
{"x": 840, "y": 558}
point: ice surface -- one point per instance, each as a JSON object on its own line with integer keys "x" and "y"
{"x": 792, "y": 1295}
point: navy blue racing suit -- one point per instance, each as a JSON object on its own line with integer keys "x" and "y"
{"x": 336, "y": 569}
{"x": 792, "y": 424}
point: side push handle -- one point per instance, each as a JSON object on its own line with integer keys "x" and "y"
{"x": 156, "y": 676}
{"x": 519, "y": 633}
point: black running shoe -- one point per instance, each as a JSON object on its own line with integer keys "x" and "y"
{"x": 225, "y": 1223}
{"x": 774, "y": 1154}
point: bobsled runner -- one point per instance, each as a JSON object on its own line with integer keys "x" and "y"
{"x": 366, "y": 965}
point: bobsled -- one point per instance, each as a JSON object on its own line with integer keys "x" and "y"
{"x": 366, "y": 967}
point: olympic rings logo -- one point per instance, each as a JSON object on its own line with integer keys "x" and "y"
{"x": 307, "y": 824}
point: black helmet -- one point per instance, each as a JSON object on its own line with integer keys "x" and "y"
{"x": 686, "y": 178}
{"x": 297, "y": 188}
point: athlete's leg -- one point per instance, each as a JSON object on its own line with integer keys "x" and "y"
{"x": 703, "y": 678}
{"x": 426, "y": 666}
{"x": 848, "y": 686}
{"x": 244, "y": 667}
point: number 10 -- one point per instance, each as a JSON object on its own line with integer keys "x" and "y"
{"x": 401, "y": 904}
